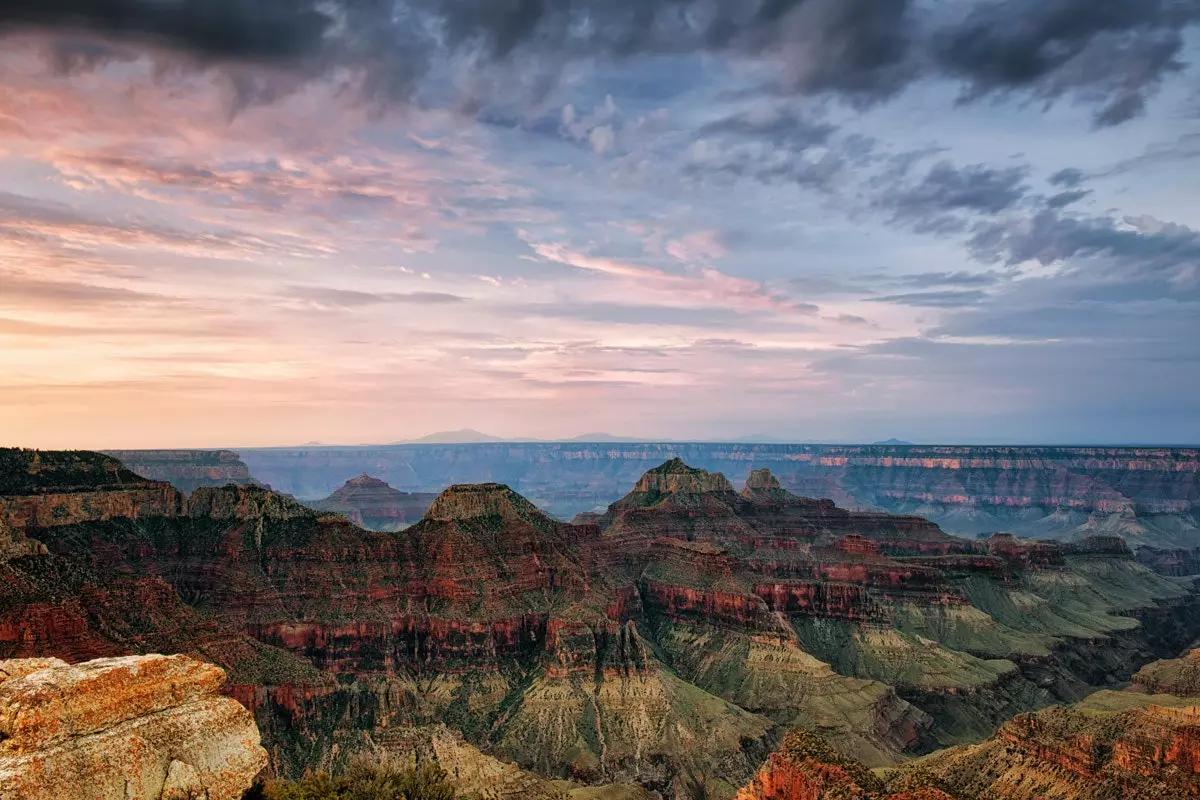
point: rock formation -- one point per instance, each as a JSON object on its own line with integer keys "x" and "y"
{"x": 187, "y": 470}
{"x": 132, "y": 728}
{"x": 374, "y": 505}
{"x": 1147, "y": 495}
{"x": 1174, "y": 676}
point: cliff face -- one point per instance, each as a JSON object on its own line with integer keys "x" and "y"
{"x": 134, "y": 728}
{"x": 1177, "y": 562}
{"x": 45, "y": 489}
{"x": 374, "y": 505}
{"x": 187, "y": 470}
{"x": 1147, "y": 495}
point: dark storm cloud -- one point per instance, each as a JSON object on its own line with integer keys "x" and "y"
{"x": 1112, "y": 54}
{"x": 240, "y": 29}
{"x": 1115, "y": 52}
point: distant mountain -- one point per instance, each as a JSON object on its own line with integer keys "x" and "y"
{"x": 464, "y": 436}
{"x": 892, "y": 442}
{"x": 602, "y": 437}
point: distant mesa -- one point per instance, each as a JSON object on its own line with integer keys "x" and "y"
{"x": 464, "y": 436}
{"x": 471, "y": 501}
{"x": 373, "y": 504}
{"x": 676, "y": 477}
{"x": 893, "y": 443}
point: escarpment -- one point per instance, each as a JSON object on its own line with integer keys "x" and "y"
{"x": 675, "y": 635}
{"x": 142, "y": 727}
{"x": 187, "y": 470}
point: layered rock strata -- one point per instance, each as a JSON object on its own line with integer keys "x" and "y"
{"x": 1147, "y": 495}
{"x": 133, "y": 728}
{"x": 187, "y": 470}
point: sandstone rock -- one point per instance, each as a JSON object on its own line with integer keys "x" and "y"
{"x": 50, "y": 705}
{"x": 138, "y": 728}
{"x": 20, "y": 667}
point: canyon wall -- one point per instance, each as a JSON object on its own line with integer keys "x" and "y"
{"x": 1147, "y": 495}
{"x": 187, "y": 470}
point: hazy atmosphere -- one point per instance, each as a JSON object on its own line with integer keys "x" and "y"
{"x": 237, "y": 223}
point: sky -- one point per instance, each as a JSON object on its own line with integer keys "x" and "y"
{"x": 268, "y": 222}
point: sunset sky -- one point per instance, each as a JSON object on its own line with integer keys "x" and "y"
{"x": 238, "y": 223}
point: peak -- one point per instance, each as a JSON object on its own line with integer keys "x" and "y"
{"x": 366, "y": 480}
{"x": 762, "y": 479}
{"x": 472, "y": 500}
{"x": 676, "y": 477}
{"x": 673, "y": 466}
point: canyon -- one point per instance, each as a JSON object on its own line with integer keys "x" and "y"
{"x": 1148, "y": 495}
{"x": 667, "y": 641}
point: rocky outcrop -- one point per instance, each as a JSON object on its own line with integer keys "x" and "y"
{"x": 132, "y": 728}
{"x": 1174, "y": 676}
{"x": 371, "y": 503}
{"x": 187, "y": 470}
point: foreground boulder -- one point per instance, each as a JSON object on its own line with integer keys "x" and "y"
{"x": 131, "y": 728}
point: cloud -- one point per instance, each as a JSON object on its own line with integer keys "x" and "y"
{"x": 1113, "y": 56}
{"x": 1131, "y": 258}
{"x": 947, "y": 299}
{"x": 347, "y": 298}
{"x": 960, "y": 278}
{"x": 1113, "y": 53}
{"x": 705, "y": 287}
{"x": 1064, "y": 199}
{"x": 938, "y": 201}
{"x": 1069, "y": 177}
{"x": 781, "y": 127}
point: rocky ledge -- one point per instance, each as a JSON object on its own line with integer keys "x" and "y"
{"x": 130, "y": 728}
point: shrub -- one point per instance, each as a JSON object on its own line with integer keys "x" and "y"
{"x": 364, "y": 779}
